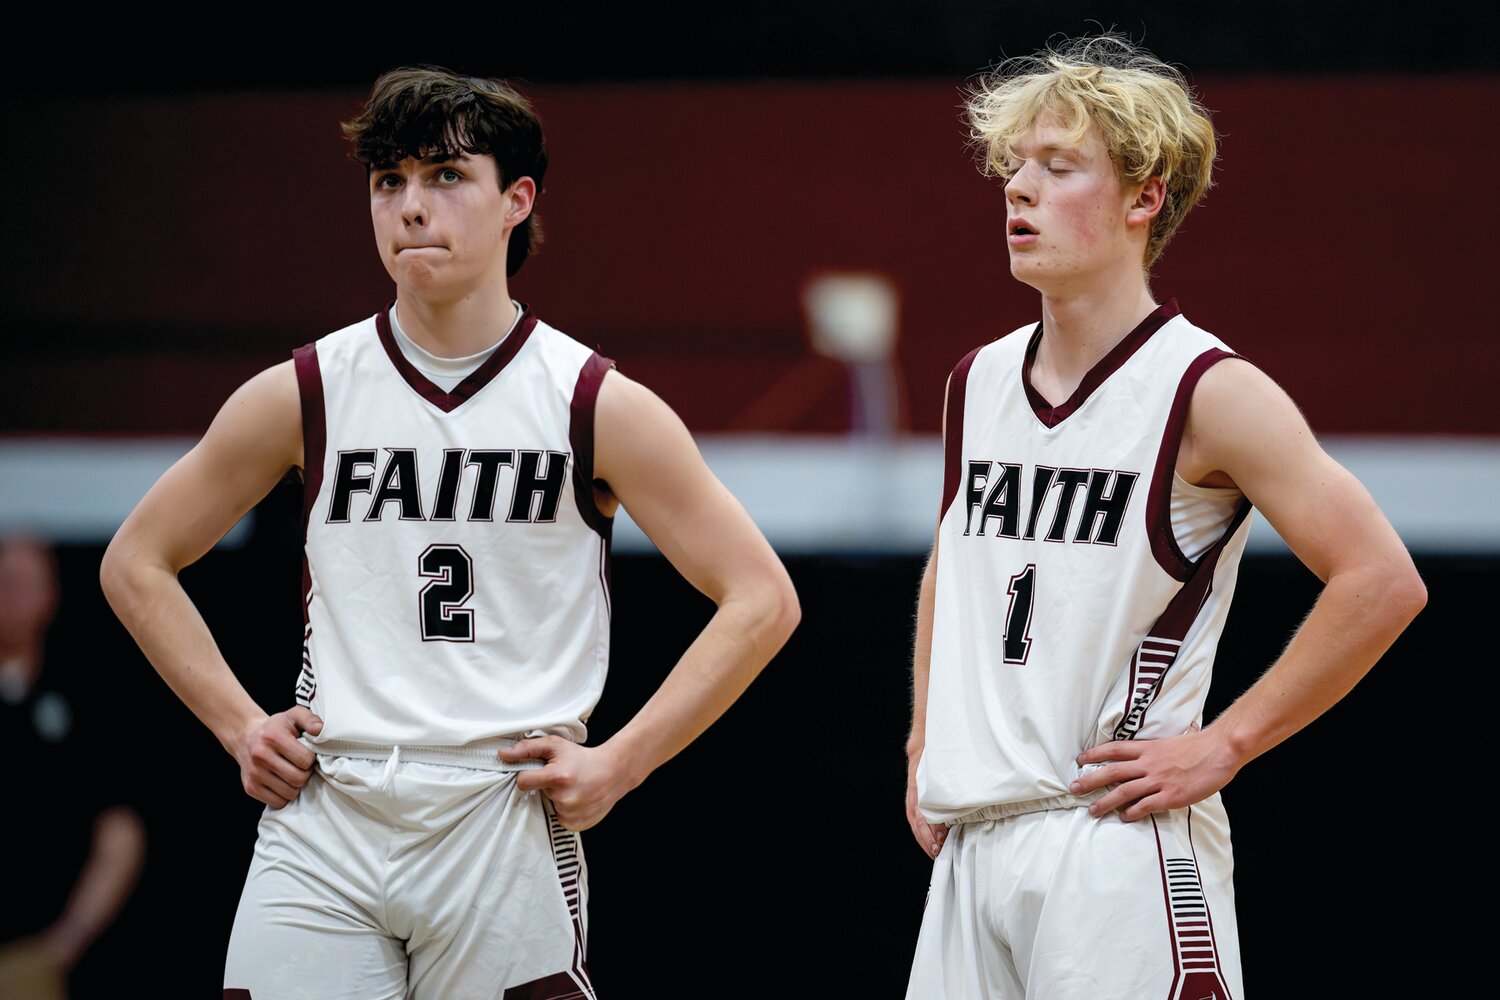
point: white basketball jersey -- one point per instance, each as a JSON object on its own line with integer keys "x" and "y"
{"x": 456, "y": 570}
{"x": 1066, "y": 612}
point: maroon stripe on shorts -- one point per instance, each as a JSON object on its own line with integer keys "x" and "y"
{"x": 558, "y": 986}
{"x": 1195, "y": 956}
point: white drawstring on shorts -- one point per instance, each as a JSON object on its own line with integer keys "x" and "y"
{"x": 388, "y": 776}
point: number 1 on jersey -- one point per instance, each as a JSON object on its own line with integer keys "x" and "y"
{"x": 1022, "y": 591}
{"x": 444, "y": 618}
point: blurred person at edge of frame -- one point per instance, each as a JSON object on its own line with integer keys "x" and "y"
{"x": 72, "y": 852}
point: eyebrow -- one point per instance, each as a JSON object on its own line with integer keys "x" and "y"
{"x": 436, "y": 159}
{"x": 1052, "y": 150}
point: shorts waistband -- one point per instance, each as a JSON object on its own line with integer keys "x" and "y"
{"x": 482, "y": 755}
{"x": 1005, "y": 810}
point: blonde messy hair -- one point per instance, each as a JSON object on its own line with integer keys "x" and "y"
{"x": 1147, "y": 115}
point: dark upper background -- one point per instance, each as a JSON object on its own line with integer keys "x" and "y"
{"x": 193, "y": 214}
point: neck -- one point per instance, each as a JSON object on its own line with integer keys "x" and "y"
{"x": 1080, "y": 328}
{"x": 459, "y": 327}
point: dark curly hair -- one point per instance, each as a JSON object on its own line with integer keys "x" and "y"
{"x": 422, "y": 111}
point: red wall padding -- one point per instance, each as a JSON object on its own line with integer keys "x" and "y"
{"x": 187, "y": 241}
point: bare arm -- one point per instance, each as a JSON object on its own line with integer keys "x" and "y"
{"x": 929, "y": 836}
{"x": 651, "y": 464}
{"x": 110, "y": 873}
{"x": 38, "y": 966}
{"x": 255, "y": 439}
{"x": 1244, "y": 430}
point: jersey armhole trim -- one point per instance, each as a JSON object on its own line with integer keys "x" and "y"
{"x": 581, "y": 437}
{"x": 314, "y": 444}
{"x": 1159, "y": 502}
{"x": 953, "y": 430}
{"x": 314, "y": 427}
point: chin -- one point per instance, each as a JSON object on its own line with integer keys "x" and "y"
{"x": 1028, "y": 272}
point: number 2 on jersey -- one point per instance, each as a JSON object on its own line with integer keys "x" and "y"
{"x": 444, "y": 618}
{"x": 1022, "y": 591}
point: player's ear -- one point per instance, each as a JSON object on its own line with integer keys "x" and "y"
{"x": 519, "y": 198}
{"x": 1148, "y": 202}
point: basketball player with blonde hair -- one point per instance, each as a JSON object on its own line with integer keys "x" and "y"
{"x": 462, "y": 461}
{"x": 1100, "y": 470}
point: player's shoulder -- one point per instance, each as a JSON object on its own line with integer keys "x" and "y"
{"x": 1005, "y": 350}
{"x": 362, "y": 333}
{"x": 556, "y": 347}
{"x": 1183, "y": 334}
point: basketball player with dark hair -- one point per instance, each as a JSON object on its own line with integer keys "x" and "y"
{"x": 461, "y": 462}
{"x": 1101, "y": 466}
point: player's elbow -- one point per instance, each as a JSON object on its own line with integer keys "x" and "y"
{"x": 122, "y": 574}
{"x": 114, "y": 573}
{"x": 777, "y": 612}
{"x": 1408, "y": 594}
{"x": 788, "y": 611}
{"x": 1395, "y": 588}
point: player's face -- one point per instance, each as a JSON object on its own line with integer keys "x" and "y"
{"x": 1067, "y": 215}
{"x": 442, "y": 225}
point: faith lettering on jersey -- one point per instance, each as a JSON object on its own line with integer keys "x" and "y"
{"x": 534, "y": 478}
{"x": 1007, "y": 503}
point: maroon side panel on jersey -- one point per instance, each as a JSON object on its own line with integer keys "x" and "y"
{"x": 953, "y": 429}
{"x": 314, "y": 443}
{"x": 1158, "y": 651}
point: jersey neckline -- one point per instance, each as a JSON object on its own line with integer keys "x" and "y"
{"x": 1050, "y": 415}
{"x": 476, "y": 380}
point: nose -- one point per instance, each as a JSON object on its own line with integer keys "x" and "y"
{"x": 413, "y": 207}
{"x": 1019, "y": 190}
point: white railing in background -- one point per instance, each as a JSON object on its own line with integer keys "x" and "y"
{"x": 808, "y": 494}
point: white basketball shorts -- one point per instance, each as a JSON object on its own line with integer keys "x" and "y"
{"x": 399, "y": 878}
{"x": 1057, "y": 905}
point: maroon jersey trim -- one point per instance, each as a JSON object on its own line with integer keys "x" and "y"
{"x": 1158, "y": 651}
{"x": 476, "y": 380}
{"x": 581, "y": 437}
{"x": 1159, "y": 501}
{"x": 314, "y": 443}
{"x": 1050, "y": 415}
{"x": 953, "y": 430}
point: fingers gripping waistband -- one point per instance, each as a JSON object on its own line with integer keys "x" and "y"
{"x": 483, "y": 755}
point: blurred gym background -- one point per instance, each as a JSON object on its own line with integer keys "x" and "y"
{"x": 768, "y": 215}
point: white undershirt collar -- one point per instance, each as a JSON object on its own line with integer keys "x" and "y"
{"x": 446, "y": 373}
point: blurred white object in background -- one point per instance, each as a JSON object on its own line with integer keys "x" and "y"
{"x": 852, "y": 317}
